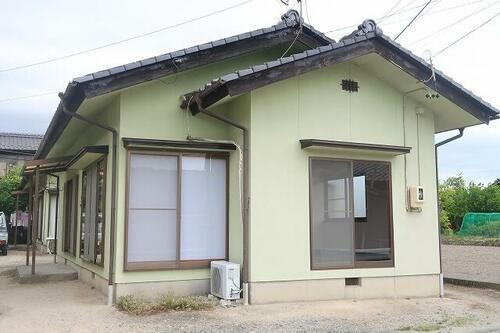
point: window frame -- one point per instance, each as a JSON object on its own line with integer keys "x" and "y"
{"x": 70, "y": 218}
{"x": 177, "y": 264}
{"x": 356, "y": 264}
{"x": 104, "y": 160}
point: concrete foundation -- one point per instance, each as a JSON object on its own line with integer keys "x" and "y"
{"x": 331, "y": 289}
{"x": 154, "y": 289}
{"x": 88, "y": 276}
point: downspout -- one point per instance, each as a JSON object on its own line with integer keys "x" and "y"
{"x": 112, "y": 236}
{"x": 56, "y": 216}
{"x": 436, "y": 146}
{"x": 246, "y": 192}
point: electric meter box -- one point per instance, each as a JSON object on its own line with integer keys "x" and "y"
{"x": 416, "y": 194}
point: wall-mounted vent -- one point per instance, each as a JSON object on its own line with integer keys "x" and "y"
{"x": 352, "y": 281}
{"x": 350, "y": 85}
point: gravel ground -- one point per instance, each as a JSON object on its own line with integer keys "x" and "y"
{"x": 476, "y": 263}
{"x": 72, "y": 306}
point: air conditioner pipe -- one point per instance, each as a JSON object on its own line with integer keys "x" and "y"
{"x": 439, "y": 144}
{"x": 112, "y": 236}
{"x": 246, "y": 192}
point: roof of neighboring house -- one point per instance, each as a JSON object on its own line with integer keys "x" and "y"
{"x": 367, "y": 39}
{"x": 120, "y": 77}
{"x": 20, "y": 141}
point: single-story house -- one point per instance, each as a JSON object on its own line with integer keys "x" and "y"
{"x": 308, "y": 161}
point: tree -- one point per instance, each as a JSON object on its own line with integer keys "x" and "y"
{"x": 8, "y": 184}
{"x": 458, "y": 198}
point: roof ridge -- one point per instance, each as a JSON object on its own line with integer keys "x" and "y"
{"x": 17, "y": 134}
{"x": 289, "y": 19}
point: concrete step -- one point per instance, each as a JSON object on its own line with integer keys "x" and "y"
{"x": 45, "y": 273}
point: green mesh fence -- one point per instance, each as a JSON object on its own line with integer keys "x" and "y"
{"x": 480, "y": 224}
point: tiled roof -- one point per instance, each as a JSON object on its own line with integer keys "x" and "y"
{"x": 290, "y": 19}
{"x": 20, "y": 141}
{"x": 367, "y": 30}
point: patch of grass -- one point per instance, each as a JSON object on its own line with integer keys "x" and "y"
{"x": 469, "y": 240}
{"x": 163, "y": 303}
{"x": 431, "y": 327}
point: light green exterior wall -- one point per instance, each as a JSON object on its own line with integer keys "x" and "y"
{"x": 313, "y": 106}
{"x": 279, "y": 115}
{"x": 152, "y": 111}
{"x": 80, "y": 134}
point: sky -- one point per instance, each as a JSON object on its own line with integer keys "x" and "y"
{"x": 36, "y": 30}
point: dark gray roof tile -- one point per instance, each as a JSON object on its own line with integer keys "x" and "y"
{"x": 178, "y": 53}
{"x": 244, "y": 72}
{"x": 116, "y": 70}
{"x": 218, "y": 42}
{"x": 299, "y": 56}
{"x": 192, "y": 49}
{"x": 256, "y": 32}
{"x": 84, "y": 78}
{"x": 273, "y": 63}
{"x": 20, "y": 141}
{"x": 100, "y": 74}
{"x": 163, "y": 57}
{"x": 269, "y": 29}
{"x": 229, "y": 77}
{"x": 205, "y": 46}
{"x": 244, "y": 36}
{"x": 148, "y": 61}
{"x": 259, "y": 68}
{"x": 231, "y": 39}
{"x": 132, "y": 65}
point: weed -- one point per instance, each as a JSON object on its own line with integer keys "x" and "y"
{"x": 163, "y": 303}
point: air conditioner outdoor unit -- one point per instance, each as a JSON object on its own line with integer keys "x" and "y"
{"x": 225, "y": 279}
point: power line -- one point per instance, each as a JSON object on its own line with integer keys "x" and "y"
{"x": 467, "y": 34}
{"x": 453, "y": 24}
{"x": 125, "y": 40}
{"x": 390, "y": 10}
{"x": 402, "y": 11}
{"x": 28, "y": 96}
{"x": 416, "y": 16}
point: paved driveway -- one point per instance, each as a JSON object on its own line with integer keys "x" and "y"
{"x": 472, "y": 263}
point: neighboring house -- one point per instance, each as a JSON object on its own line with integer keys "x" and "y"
{"x": 297, "y": 167}
{"x": 15, "y": 148}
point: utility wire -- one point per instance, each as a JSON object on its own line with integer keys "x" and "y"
{"x": 390, "y": 11}
{"x": 467, "y": 34}
{"x": 401, "y": 11}
{"x": 28, "y": 96}
{"x": 125, "y": 40}
{"x": 413, "y": 20}
{"x": 453, "y": 23}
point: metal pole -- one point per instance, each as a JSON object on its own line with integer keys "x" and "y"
{"x": 17, "y": 216}
{"x": 439, "y": 144}
{"x": 246, "y": 192}
{"x": 30, "y": 217}
{"x": 35, "y": 221}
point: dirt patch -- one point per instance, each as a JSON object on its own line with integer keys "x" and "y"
{"x": 72, "y": 306}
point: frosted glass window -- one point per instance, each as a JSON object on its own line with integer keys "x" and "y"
{"x": 52, "y": 216}
{"x": 152, "y": 216}
{"x": 153, "y": 181}
{"x": 359, "y": 196}
{"x": 152, "y": 235}
{"x": 203, "y": 208}
{"x": 177, "y": 217}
